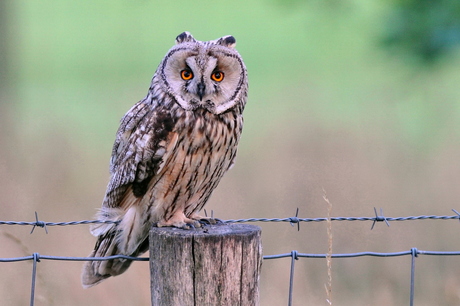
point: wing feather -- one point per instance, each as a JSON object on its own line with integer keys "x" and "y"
{"x": 138, "y": 151}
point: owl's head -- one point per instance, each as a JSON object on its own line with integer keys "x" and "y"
{"x": 209, "y": 75}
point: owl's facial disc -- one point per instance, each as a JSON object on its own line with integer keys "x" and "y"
{"x": 207, "y": 76}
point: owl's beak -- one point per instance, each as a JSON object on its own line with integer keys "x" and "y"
{"x": 201, "y": 88}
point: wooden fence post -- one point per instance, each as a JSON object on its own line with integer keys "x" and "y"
{"x": 214, "y": 265}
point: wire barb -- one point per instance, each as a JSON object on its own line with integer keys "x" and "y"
{"x": 458, "y": 214}
{"x": 379, "y": 218}
{"x": 293, "y": 220}
{"x": 39, "y": 224}
{"x": 206, "y": 213}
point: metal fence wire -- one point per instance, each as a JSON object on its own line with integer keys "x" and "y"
{"x": 294, "y": 255}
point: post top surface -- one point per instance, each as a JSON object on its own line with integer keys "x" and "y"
{"x": 209, "y": 230}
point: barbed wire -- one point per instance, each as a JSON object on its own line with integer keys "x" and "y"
{"x": 292, "y": 220}
{"x": 294, "y": 255}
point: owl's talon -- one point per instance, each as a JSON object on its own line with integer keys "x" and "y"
{"x": 191, "y": 225}
{"x": 219, "y": 221}
{"x": 204, "y": 223}
{"x": 187, "y": 226}
{"x": 210, "y": 221}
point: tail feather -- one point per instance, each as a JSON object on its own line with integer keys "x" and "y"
{"x": 95, "y": 272}
{"x": 129, "y": 237}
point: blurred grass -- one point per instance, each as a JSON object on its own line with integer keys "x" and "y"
{"x": 328, "y": 108}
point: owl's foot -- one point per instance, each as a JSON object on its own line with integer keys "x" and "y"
{"x": 179, "y": 220}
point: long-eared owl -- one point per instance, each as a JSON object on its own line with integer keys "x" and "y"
{"x": 171, "y": 149}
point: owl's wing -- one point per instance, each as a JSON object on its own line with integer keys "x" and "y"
{"x": 142, "y": 140}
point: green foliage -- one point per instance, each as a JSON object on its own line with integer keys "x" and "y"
{"x": 85, "y": 63}
{"x": 425, "y": 29}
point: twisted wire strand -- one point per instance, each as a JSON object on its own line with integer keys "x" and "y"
{"x": 295, "y": 220}
{"x": 290, "y": 220}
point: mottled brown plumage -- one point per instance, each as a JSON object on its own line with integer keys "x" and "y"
{"x": 171, "y": 150}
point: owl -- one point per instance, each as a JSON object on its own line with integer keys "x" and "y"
{"x": 171, "y": 150}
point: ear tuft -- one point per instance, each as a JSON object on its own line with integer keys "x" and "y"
{"x": 184, "y": 37}
{"x": 227, "y": 41}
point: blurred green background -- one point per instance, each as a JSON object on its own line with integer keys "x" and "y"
{"x": 361, "y": 98}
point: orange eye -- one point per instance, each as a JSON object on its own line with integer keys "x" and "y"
{"x": 217, "y": 76}
{"x": 186, "y": 74}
